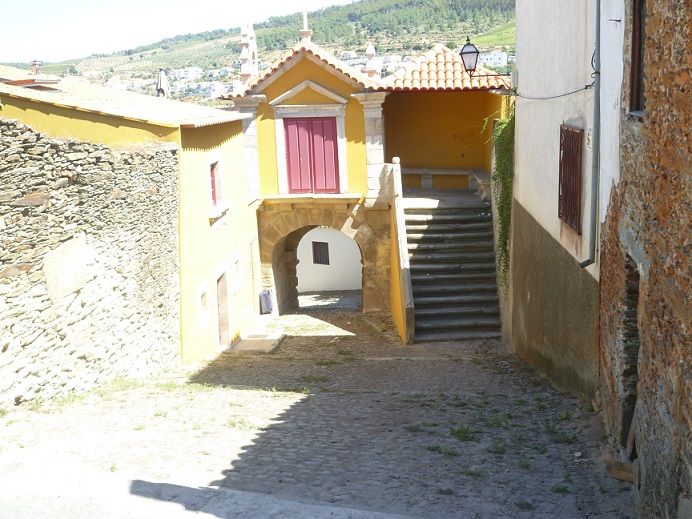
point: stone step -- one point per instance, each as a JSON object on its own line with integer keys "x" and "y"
{"x": 457, "y": 323}
{"x": 451, "y": 277}
{"x": 456, "y": 335}
{"x": 453, "y": 288}
{"x": 448, "y": 236}
{"x": 453, "y": 267}
{"x": 475, "y": 208}
{"x": 463, "y": 246}
{"x": 438, "y": 228}
{"x": 455, "y": 300}
{"x": 448, "y": 218}
{"x": 451, "y": 257}
{"x": 451, "y": 311}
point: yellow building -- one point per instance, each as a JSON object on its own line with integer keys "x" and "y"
{"x": 325, "y": 136}
{"x": 217, "y": 231}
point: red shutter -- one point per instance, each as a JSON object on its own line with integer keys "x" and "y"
{"x": 569, "y": 198}
{"x": 311, "y": 155}
{"x": 325, "y": 164}
{"x": 212, "y": 177}
{"x": 298, "y": 155}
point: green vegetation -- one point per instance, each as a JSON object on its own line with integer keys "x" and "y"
{"x": 502, "y": 36}
{"x": 401, "y": 26}
{"x": 473, "y": 472}
{"x": 326, "y": 362}
{"x": 503, "y": 180}
{"x": 445, "y": 451}
{"x": 463, "y": 433}
{"x": 243, "y": 424}
{"x": 497, "y": 447}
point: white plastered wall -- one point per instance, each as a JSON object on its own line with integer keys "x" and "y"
{"x": 612, "y": 39}
{"x": 555, "y": 43}
{"x": 344, "y": 270}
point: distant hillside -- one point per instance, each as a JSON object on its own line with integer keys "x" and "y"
{"x": 394, "y": 26}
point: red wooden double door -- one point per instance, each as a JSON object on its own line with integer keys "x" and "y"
{"x": 311, "y": 155}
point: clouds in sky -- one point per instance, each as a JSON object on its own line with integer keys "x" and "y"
{"x": 52, "y": 30}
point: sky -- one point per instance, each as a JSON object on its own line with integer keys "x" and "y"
{"x": 57, "y": 30}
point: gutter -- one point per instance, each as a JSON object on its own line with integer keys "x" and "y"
{"x": 595, "y": 162}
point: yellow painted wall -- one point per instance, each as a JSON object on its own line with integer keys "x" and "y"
{"x": 395, "y": 292}
{"x": 450, "y": 182}
{"x": 440, "y": 129}
{"x": 207, "y": 250}
{"x": 354, "y": 121}
{"x": 63, "y": 122}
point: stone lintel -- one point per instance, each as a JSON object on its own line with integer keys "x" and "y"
{"x": 249, "y": 103}
{"x": 370, "y": 100}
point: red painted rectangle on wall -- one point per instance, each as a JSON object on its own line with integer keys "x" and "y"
{"x": 311, "y": 155}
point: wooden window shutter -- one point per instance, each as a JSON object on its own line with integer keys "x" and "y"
{"x": 320, "y": 253}
{"x": 213, "y": 177}
{"x": 569, "y": 199}
{"x": 637, "y": 62}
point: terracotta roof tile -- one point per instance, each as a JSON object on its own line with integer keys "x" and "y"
{"x": 441, "y": 69}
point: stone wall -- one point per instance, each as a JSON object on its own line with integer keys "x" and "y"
{"x": 646, "y": 353}
{"x": 88, "y": 263}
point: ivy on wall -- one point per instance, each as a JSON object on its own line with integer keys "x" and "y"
{"x": 502, "y": 181}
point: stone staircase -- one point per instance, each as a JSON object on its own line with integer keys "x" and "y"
{"x": 453, "y": 270}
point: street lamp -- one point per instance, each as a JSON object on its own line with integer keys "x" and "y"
{"x": 469, "y": 57}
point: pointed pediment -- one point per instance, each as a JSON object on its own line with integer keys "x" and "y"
{"x": 308, "y": 93}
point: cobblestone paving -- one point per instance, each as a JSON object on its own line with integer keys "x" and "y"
{"x": 341, "y": 414}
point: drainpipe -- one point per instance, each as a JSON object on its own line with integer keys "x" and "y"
{"x": 595, "y": 162}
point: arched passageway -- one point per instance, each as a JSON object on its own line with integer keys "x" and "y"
{"x": 283, "y": 226}
{"x": 329, "y": 270}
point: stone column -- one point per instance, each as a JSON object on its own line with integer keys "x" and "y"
{"x": 248, "y": 105}
{"x": 377, "y": 195}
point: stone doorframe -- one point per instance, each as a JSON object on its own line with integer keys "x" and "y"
{"x": 283, "y": 222}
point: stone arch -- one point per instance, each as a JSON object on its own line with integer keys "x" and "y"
{"x": 282, "y": 226}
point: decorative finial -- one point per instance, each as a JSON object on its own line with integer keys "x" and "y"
{"x": 249, "y": 63}
{"x": 306, "y": 33}
{"x": 371, "y": 66}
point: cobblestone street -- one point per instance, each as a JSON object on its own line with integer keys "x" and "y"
{"x": 339, "y": 416}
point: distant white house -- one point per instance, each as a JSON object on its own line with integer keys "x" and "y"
{"x": 188, "y": 74}
{"x": 328, "y": 260}
{"x": 494, "y": 58}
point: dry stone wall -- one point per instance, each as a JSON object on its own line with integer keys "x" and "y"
{"x": 88, "y": 263}
{"x": 646, "y": 353}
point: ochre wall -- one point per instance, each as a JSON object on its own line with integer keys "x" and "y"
{"x": 209, "y": 249}
{"x": 445, "y": 130}
{"x": 554, "y": 308}
{"x": 396, "y": 299}
{"x": 354, "y": 121}
{"x": 63, "y": 122}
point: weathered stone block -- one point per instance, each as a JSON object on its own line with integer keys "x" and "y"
{"x": 32, "y": 200}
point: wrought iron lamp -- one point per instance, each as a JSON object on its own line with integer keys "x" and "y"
{"x": 469, "y": 57}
